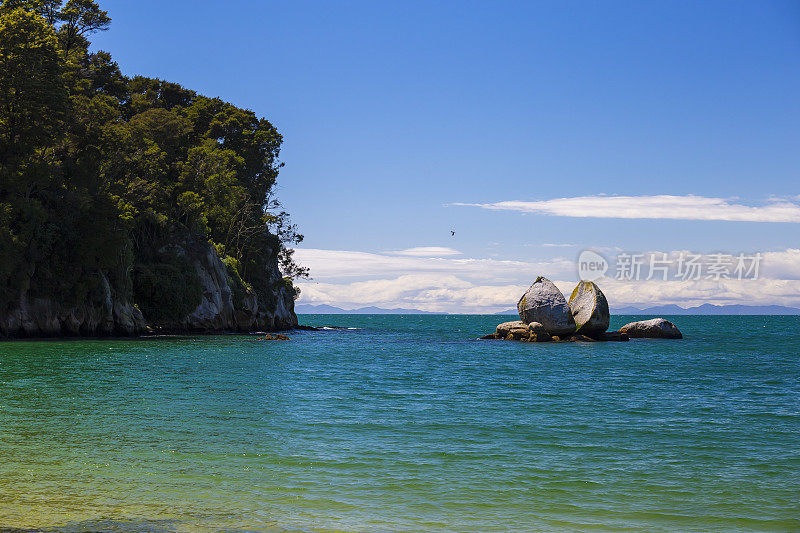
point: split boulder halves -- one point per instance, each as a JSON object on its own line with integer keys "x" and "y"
{"x": 545, "y": 315}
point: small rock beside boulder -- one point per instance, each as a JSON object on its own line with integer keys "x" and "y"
{"x": 656, "y": 328}
{"x": 538, "y": 333}
{"x": 505, "y": 328}
{"x": 537, "y": 328}
{"x": 519, "y": 331}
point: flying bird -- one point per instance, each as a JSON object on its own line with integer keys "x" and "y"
{"x": 452, "y": 233}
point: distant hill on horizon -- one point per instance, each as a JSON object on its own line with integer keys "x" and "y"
{"x": 705, "y": 309}
{"x": 323, "y": 309}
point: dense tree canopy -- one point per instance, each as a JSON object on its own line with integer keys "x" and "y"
{"x": 96, "y": 168}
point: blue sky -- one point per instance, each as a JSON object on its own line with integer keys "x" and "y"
{"x": 394, "y": 112}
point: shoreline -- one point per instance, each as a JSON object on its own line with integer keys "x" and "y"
{"x": 152, "y": 336}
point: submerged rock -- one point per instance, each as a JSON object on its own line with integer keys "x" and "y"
{"x": 274, "y": 337}
{"x": 612, "y": 336}
{"x": 307, "y": 328}
{"x": 589, "y": 309}
{"x": 656, "y": 328}
{"x": 544, "y": 303}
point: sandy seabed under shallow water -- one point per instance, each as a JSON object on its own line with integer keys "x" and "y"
{"x": 405, "y": 423}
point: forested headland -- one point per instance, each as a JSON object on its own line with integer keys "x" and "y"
{"x": 129, "y": 204}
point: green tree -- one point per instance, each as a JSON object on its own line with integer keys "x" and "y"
{"x": 33, "y": 109}
{"x": 80, "y": 18}
{"x": 33, "y": 96}
{"x": 99, "y": 174}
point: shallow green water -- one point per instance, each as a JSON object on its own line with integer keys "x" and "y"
{"x": 406, "y": 424}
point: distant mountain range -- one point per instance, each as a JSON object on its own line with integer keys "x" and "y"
{"x": 309, "y": 309}
{"x": 705, "y": 309}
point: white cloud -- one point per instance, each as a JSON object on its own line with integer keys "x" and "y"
{"x": 784, "y": 264}
{"x": 447, "y": 293}
{"x": 428, "y": 292}
{"x": 781, "y": 265}
{"x": 656, "y": 207}
{"x": 427, "y": 251}
{"x": 557, "y": 245}
{"x": 692, "y": 293}
{"x": 490, "y": 285}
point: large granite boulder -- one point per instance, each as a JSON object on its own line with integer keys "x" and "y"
{"x": 657, "y": 328}
{"x": 589, "y": 309}
{"x": 544, "y": 303}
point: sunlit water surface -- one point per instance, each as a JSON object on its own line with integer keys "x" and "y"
{"x": 405, "y": 424}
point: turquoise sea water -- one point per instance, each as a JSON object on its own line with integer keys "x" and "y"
{"x": 405, "y": 424}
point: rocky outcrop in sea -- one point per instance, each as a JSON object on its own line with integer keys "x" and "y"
{"x": 546, "y": 316}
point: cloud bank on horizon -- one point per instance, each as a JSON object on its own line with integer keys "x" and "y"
{"x": 352, "y": 279}
{"x": 688, "y": 207}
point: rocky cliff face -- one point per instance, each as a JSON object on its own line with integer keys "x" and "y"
{"x": 105, "y": 315}
{"x": 225, "y": 305}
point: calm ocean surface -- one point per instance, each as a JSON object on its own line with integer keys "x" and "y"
{"x": 405, "y": 424}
